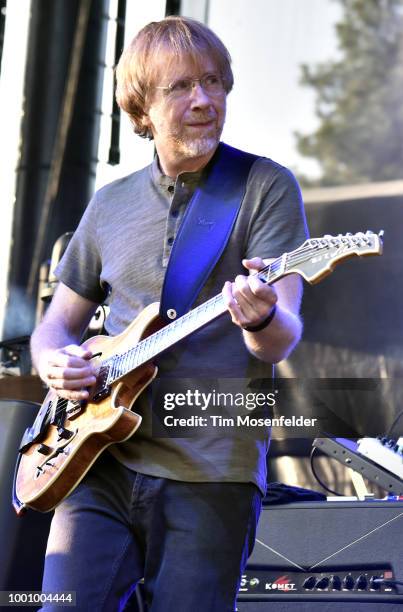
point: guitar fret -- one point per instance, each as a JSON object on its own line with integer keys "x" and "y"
{"x": 114, "y": 367}
{"x": 145, "y": 349}
{"x": 150, "y": 341}
{"x": 133, "y": 357}
{"x": 130, "y": 360}
{"x": 136, "y": 357}
{"x": 119, "y": 365}
{"x": 141, "y": 351}
{"x": 315, "y": 252}
{"x": 153, "y": 341}
{"x": 155, "y": 344}
{"x": 113, "y": 372}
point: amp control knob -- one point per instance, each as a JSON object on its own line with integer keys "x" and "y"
{"x": 322, "y": 584}
{"x": 374, "y": 586}
{"x": 348, "y": 583}
{"x": 335, "y": 583}
{"x": 361, "y": 583}
{"x": 309, "y": 583}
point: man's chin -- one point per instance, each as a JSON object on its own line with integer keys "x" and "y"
{"x": 198, "y": 147}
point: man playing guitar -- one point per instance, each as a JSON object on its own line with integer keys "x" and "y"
{"x": 180, "y": 512}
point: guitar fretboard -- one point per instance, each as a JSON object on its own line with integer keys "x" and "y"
{"x": 155, "y": 344}
{"x": 321, "y": 250}
{"x": 166, "y": 337}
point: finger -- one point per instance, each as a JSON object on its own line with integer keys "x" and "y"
{"x": 71, "y": 353}
{"x": 64, "y": 360}
{"x": 230, "y": 302}
{"x": 246, "y": 312}
{"x": 76, "y": 396}
{"x": 69, "y": 385}
{"x": 242, "y": 292}
{"x": 55, "y": 372}
{"x": 254, "y": 264}
{"x": 78, "y": 351}
{"x": 229, "y": 299}
{"x": 254, "y": 300}
{"x": 241, "y": 312}
{"x": 255, "y": 292}
{"x": 257, "y": 308}
{"x": 261, "y": 291}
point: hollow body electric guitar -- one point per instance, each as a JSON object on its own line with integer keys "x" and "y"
{"x": 67, "y": 436}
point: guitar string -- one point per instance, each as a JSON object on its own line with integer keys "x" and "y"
{"x": 292, "y": 258}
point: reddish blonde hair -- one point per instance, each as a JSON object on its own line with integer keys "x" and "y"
{"x": 177, "y": 37}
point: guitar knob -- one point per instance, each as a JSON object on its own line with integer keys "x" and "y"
{"x": 44, "y": 449}
{"x": 63, "y": 434}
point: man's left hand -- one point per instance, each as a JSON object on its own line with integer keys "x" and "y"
{"x": 248, "y": 299}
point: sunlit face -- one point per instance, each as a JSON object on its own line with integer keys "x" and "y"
{"x": 189, "y": 125}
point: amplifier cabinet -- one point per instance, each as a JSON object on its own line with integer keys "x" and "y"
{"x": 23, "y": 538}
{"x": 343, "y": 547}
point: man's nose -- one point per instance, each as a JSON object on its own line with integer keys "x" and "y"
{"x": 198, "y": 96}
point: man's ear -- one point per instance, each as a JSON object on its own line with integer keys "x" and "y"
{"x": 147, "y": 124}
{"x": 146, "y": 121}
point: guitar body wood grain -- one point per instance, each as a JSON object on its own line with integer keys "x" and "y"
{"x": 43, "y": 480}
{"x": 52, "y": 463}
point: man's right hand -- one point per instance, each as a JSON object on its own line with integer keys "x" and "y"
{"x": 67, "y": 371}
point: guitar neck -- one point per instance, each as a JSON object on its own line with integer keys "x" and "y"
{"x": 165, "y": 338}
{"x": 313, "y": 260}
{"x": 184, "y": 326}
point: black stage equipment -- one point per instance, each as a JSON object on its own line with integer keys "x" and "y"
{"x": 326, "y": 556}
{"x": 23, "y": 540}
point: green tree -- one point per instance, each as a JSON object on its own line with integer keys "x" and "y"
{"x": 360, "y": 97}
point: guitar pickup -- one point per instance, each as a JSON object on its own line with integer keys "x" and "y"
{"x": 74, "y": 410}
{"x": 100, "y": 395}
{"x": 102, "y": 389}
{"x": 44, "y": 449}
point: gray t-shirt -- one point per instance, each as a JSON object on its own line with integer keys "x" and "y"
{"x": 120, "y": 250}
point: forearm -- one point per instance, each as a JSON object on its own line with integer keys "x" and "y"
{"x": 275, "y": 342}
{"x": 62, "y": 365}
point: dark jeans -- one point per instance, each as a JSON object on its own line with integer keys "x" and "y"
{"x": 190, "y": 541}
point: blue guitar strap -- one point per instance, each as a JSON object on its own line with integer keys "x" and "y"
{"x": 205, "y": 229}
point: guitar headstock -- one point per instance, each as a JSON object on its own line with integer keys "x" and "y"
{"x": 317, "y": 257}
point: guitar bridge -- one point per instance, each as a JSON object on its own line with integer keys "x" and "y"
{"x": 74, "y": 409}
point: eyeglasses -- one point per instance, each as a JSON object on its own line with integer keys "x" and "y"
{"x": 210, "y": 83}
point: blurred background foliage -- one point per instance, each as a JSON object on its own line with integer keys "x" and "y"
{"x": 359, "y": 138}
